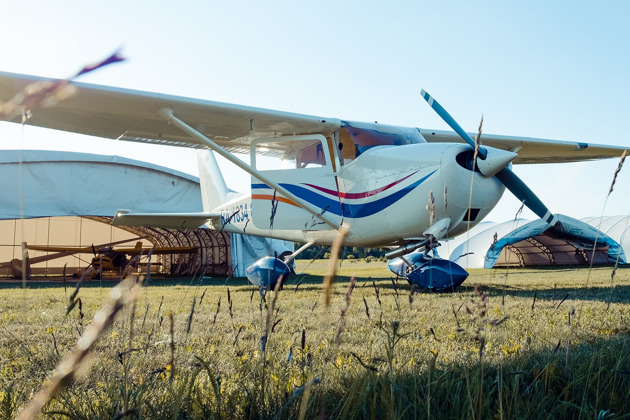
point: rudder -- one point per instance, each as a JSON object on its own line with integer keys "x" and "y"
{"x": 213, "y": 187}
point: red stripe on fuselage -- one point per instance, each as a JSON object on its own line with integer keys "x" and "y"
{"x": 359, "y": 195}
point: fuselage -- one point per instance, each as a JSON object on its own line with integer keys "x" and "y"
{"x": 387, "y": 195}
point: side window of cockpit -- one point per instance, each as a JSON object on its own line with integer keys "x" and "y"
{"x": 311, "y": 156}
{"x": 297, "y": 152}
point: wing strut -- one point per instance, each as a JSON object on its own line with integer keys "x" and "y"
{"x": 167, "y": 114}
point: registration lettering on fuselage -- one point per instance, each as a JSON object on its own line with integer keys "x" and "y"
{"x": 236, "y": 214}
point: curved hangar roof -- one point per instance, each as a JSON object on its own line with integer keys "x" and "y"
{"x": 71, "y": 184}
{"x": 57, "y": 183}
{"x": 523, "y": 243}
{"x": 617, "y": 227}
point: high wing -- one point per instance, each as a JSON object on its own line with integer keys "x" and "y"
{"x": 69, "y": 250}
{"x": 64, "y": 251}
{"x": 36, "y": 260}
{"x": 158, "y": 250}
{"x": 532, "y": 150}
{"x": 132, "y": 115}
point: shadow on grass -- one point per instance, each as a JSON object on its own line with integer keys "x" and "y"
{"x": 111, "y": 282}
{"x": 620, "y": 293}
{"x": 585, "y": 381}
{"x": 307, "y": 282}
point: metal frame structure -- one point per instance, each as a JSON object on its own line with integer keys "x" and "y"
{"x": 212, "y": 259}
{"x": 519, "y": 250}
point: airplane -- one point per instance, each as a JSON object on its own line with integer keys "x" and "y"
{"x": 106, "y": 257}
{"x": 22, "y": 268}
{"x": 378, "y": 185}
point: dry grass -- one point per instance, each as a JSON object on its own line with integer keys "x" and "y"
{"x": 543, "y": 345}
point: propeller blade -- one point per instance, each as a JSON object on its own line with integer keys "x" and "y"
{"x": 505, "y": 175}
{"x": 451, "y": 122}
{"x": 517, "y": 187}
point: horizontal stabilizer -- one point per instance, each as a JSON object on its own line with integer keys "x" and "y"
{"x": 165, "y": 220}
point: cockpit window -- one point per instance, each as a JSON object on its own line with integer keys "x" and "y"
{"x": 314, "y": 155}
{"x": 311, "y": 156}
{"x": 297, "y": 152}
{"x": 356, "y": 138}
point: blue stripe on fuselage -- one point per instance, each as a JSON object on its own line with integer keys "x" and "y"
{"x": 348, "y": 210}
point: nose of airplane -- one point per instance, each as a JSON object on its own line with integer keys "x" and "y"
{"x": 469, "y": 193}
{"x": 496, "y": 159}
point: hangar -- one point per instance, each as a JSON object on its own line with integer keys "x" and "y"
{"x": 68, "y": 199}
{"x": 522, "y": 243}
{"x": 617, "y": 227}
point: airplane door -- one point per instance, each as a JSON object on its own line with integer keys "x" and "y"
{"x": 306, "y": 169}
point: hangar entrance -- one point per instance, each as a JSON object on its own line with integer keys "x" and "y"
{"x": 549, "y": 249}
{"x": 211, "y": 256}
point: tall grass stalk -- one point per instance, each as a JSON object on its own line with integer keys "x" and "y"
{"x": 432, "y": 364}
{"x": 123, "y": 294}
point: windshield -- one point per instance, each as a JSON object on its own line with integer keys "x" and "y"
{"x": 356, "y": 138}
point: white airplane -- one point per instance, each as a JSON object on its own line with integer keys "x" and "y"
{"x": 401, "y": 188}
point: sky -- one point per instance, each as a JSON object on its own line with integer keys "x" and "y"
{"x": 553, "y": 70}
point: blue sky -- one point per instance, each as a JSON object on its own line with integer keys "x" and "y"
{"x": 554, "y": 70}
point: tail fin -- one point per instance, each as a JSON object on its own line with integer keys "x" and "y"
{"x": 213, "y": 188}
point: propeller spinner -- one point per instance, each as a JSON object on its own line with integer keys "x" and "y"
{"x": 494, "y": 162}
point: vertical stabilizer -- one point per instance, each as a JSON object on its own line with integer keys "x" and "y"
{"x": 213, "y": 188}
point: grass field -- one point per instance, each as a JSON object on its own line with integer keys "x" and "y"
{"x": 524, "y": 344}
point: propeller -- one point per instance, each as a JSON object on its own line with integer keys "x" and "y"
{"x": 499, "y": 166}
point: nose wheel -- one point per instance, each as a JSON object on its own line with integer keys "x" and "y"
{"x": 428, "y": 272}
